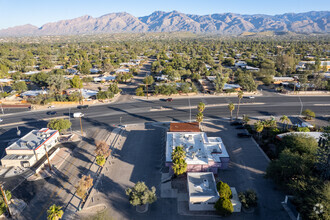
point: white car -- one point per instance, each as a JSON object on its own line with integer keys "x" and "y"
{"x": 1, "y": 120}
{"x": 251, "y": 97}
{"x": 78, "y": 115}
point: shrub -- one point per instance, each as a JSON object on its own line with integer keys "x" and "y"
{"x": 309, "y": 114}
{"x": 139, "y": 91}
{"x": 224, "y": 206}
{"x": 303, "y": 129}
{"x": 224, "y": 190}
{"x": 100, "y": 160}
{"x": 248, "y": 198}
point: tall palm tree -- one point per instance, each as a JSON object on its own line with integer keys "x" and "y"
{"x": 259, "y": 127}
{"x": 231, "y": 108}
{"x": 54, "y": 212}
{"x": 285, "y": 119}
{"x": 199, "y": 117}
{"x": 201, "y": 107}
{"x": 148, "y": 81}
{"x": 240, "y": 96}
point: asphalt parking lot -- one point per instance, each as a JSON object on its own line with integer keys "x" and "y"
{"x": 246, "y": 170}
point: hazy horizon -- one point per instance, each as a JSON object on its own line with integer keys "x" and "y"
{"x": 37, "y": 12}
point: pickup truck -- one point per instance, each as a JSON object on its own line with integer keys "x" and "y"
{"x": 78, "y": 115}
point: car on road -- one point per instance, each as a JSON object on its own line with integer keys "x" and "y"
{"x": 1, "y": 120}
{"x": 249, "y": 97}
{"x": 51, "y": 113}
{"x": 244, "y": 135}
{"x": 78, "y": 115}
{"x": 82, "y": 106}
{"x": 240, "y": 127}
{"x": 234, "y": 123}
{"x": 169, "y": 100}
{"x": 52, "y": 106}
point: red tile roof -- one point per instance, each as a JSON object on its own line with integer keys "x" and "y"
{"x": 184, "y": 127}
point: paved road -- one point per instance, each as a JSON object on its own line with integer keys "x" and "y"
{"x": 138, "y": 111}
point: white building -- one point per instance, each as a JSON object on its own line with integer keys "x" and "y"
{"x": 94, "y": 70}
{"x": 104, "y": 78}
{"x": 125, "y": 70}
{"x": 240, "y": 64}
{"x": 202, "y": 153}
{"x": 34, "y": 92}
{"x": 26, "y": 151}
{"x": 202, "y": 191}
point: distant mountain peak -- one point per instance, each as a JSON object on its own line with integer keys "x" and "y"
{"x": 161, "y": 21}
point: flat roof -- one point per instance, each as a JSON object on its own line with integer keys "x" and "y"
{"x": 184, "y": 127}
{"x": 315, "y": 135}
{"x": 17, "y": 157}
{"x": 202, "y": 184}
{"x": 198, "y": 147}
{"x": 33, "y": 140}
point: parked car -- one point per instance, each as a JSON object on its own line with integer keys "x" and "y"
{"x": 234, "y": 123}
{"x": 78, "y": 115}
{"x": 248, "y": 97}
{"x": 169, "y": 100}
{"x": 52, "y": 106}
{"x": 240, "y": 127}
{"x": 82, "y": 107}
{"x": 305, "y": 124}
{"x": 51, "y": 113}
{"x": 244, "y": 135}
{"x": 1, "y": 120}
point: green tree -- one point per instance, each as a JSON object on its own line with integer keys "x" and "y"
{"x": 148, "y": 81}
{"x": 224, "y": 190}
{"x": 240, "y": 96}
{"x": 57, "y": 83}
{"x": 85, "y": 67}
{"x": 76, "y": 82}
{"x": 248, "y": 198}
{"x": 140, "y": 194}
{"x": 3, "y": 207}
{"x": 179, "y": 164}
{"x": 309, "y": 114}
{"x": 323, "y": 155}
{"x": 231, "y": 108}
{"x": 224, "y": 207}
{"x": 54, "y": 212}
{"x": 259, "y": 127}
{"x": 201, "y": 107}
{"x": 113, "y": 88}
{"x": 40, "y": 78}
{"x": 199, "y": 117}
{"x": 285, "y": 119}
{"x": 59, "y": 124}
{"x": 246, "y": 81}
{"x": 220, "y": 82}
{"x": 19, "y": 86}
{"x": 139, "y": 91}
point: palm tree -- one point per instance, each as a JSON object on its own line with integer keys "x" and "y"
{"x": 240, "y": 96}
{"x": 286, "y": 119}
{"x": 54, "y": 212}
{"x": 199, "y": 117}
{"x": 148, "y": 81}
{"x": 201, "y": 107}
{"x": 259, "y": 127}
{"x": 231, "y": 108}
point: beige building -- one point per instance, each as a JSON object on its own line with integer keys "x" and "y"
{"x": 26, "y": 151}
{"x": 202, "y": 190}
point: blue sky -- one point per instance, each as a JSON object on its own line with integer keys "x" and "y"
{"x": 39, "y": 12}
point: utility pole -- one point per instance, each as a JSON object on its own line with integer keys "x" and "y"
{"x": 5, "y": 199}
{"x": 2, "y": 109}
{"x": 120, "y": 120}
{"x": 82, "y": 134}
{"x": 189, "y": 109}
{"x": 50, "y": 167}
{"x": 70, "y": 119}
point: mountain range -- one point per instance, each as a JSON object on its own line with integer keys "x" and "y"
{"x": 174, "y": 21}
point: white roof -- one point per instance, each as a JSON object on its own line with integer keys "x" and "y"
{"x": 285, "y": 78}
{"x": 5, "y": 80}
{"x": 199, "y": 148}
{"x": 104, "y": 78}
{"x": 94, "y": 70}
{"x": 231, "y": 86}
{"x": 202, "y": 184}
{"x": 33, "y": 140}
{"x": 86, "y": 93}
{"x": 125, "y": 70}
{"x": 32, "y": 72}
{"x": 315, "y": 135}
{"x": 33, "y": 92}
